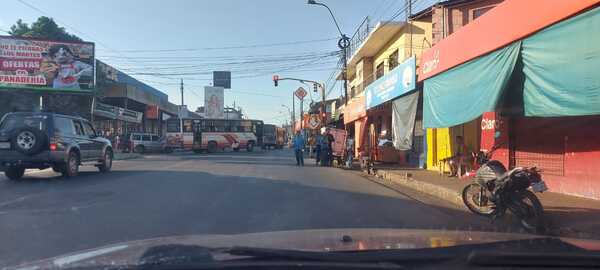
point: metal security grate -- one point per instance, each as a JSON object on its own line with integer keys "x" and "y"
{"x": 550, "y": 163}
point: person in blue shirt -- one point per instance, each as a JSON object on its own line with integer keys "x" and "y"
{"x": 299, "y": 148}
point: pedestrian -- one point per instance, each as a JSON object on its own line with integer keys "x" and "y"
{"x": 324, "y": 159}
{"x": 311, "y": 145}
{"x": 299, "y": 149}
{"x": 349, "y": 152}
{"x": 330, "y": 140}
{"x": 318, "y": 151}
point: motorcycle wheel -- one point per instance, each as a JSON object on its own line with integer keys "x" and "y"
{"x": 477, "y": 199}
{"x": 530, "y": 212}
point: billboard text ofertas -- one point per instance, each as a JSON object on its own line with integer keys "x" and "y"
{"x": 43, "y": 63}
{"x": 213, "y": 102}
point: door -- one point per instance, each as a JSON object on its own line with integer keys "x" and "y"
{"x": 95, "y": 144}
{"x": 147, "y": 142}
{"x": 84, "y": 142}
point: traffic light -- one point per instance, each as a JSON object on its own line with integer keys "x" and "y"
{"x": 315, "y": 87}
{"x": 276, "y": 80}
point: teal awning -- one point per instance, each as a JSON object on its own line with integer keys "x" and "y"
{"x": 465, "y": 92}
{"x": 562, "y": 68}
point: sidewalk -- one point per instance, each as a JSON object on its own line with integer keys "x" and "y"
{"x": 124, "y": 156}
{"x": 565, "y": 215}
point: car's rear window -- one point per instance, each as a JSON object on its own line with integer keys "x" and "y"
{"x": 136, "y": 137}
{"x": 14, "y": 121}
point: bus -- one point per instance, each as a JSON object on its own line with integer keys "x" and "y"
{"x": 269, "y": 136}
{"x": 212, "y": 135}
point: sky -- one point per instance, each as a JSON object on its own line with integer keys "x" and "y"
{"x": 161, "y": 42}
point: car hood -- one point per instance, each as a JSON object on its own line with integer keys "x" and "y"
{"x": 129, "y": 253}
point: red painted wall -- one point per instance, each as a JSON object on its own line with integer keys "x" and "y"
{"x": 567, "y": 149}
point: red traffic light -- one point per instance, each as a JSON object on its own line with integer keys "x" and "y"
{"x": 275, "y": 79}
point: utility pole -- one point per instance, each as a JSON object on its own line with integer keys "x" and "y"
{"x": 410, "y": 26}
{"x": 323, "y": 109}
{"x": 181, "y": 115}
{"x": 181, "y": 93}
{"x": 301, "y": 113}
{"x": 293, "y": 114}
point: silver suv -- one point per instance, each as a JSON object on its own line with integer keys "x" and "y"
{"x": 145, "y": 142}
{"x": 48, "y": 140}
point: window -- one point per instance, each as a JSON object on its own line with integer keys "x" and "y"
{"x": 480, "y": 11}
{"x": 136, "y": 137}
{"x": 146, "y": 138}
{"x": 379, "y": 71}
{"x": 155, "y": 138}
{"x": 89, "y": 130}
{"x": 393, "y": 59}
{"x": 64, "y": 126}
{"x": 78, "y": 128}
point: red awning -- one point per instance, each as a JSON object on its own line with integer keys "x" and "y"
{"x": 510, "y": 21}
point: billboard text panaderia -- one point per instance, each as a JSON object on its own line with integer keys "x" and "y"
{"x": 43, "y": 63}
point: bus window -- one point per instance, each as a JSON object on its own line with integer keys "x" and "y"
{"x": 187, "y": 126}
{"x": 173, "y": 125}
{"x": 235, "y": 126}
{"x": 219, "y": 125}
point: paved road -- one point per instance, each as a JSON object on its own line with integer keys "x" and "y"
{"x": 46, "y": 215}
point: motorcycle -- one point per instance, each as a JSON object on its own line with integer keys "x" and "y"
{"x": 495, "y": 190}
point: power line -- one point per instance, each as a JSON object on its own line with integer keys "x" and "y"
{"x": 233, "y": 47}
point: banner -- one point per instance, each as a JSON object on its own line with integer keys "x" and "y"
{"x": 397, "y": 82}
{"x": 404, "y": 111}
{"x": 213, "y": 102}
{"x": 47, "y": 64}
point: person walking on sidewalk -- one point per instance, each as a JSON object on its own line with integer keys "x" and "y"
{"x": 318, "y": 149}
{"x": 299, "y": 148}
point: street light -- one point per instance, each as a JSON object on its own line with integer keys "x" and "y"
{"x": 343, "y": 44}
{"x": 291, "y": 114}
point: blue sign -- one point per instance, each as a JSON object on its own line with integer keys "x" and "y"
{"x": 397, "y": 82}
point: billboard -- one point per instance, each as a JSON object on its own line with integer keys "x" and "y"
{"x": 47, "y": 64}
{"x": 222, "y": 79}
{"x": 214, "y": 102}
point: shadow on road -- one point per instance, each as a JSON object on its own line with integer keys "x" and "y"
{"x": 144, "y": 204}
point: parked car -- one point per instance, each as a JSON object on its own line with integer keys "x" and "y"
{"x": 44, "y": 140}
{"x": 144, "y": 143}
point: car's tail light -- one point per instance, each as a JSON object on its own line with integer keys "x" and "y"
{"x": 53, "y": 147}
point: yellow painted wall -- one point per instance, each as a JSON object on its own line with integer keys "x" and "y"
{"x": 439, "y": 146}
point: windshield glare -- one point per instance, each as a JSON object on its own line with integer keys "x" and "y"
{"x": 135, "y": 127}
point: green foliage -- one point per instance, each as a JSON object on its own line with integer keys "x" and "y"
{"x": 43, "y": 28}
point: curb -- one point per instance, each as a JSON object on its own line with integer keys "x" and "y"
{"x": 434, "y": 190}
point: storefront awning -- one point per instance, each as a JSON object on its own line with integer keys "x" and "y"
{"x": 558, "y": 64}
{"x": 465, "y": 92}
{"x": 561, "y": 65}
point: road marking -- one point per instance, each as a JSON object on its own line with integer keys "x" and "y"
{"x": 82, "y": 256}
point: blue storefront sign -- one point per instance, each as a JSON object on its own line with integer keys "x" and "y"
{"x": 397, "y": 82}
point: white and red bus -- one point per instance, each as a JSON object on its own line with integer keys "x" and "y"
{"x": 213, "y": 135}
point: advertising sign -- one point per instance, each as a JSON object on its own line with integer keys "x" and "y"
{"x": 47, "y": 64}
{"x": 214, "y": 102}
{"x": 397, "y": 82}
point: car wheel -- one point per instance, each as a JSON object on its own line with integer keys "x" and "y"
{"x": 212, "y": 147}
{"x": 71, "y": 167}
{"x": 250, "y": 147}
{"x": 106, "y": 163}
{"x": 14, "y": 173}
{"x": 140, "y": 149}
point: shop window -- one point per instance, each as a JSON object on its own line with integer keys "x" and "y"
{"x": 393, "y": 60}
{"x": 379, "y": 71}
{"x": 480, "y": 11}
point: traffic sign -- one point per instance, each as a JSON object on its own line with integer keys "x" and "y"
{"x": 314, "y": 121}
{"x": 300, "y": 93}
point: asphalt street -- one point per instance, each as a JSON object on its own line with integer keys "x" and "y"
{"x": 46, "y": 215}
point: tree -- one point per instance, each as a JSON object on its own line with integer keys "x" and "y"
{"x": 44, "y": 28}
